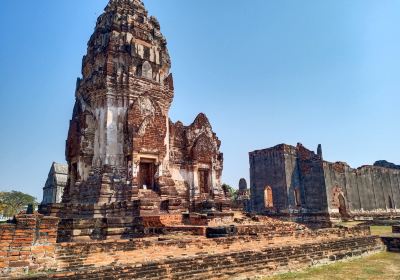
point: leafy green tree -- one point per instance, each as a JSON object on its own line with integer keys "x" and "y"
{"x": 11, "y": 203}
{"x": 229, "y": 191}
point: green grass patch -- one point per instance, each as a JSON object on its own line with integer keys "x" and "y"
{"x": 381, "y": 230}
{"x": 375, "y": 230}
{"x": 376, "y": 267}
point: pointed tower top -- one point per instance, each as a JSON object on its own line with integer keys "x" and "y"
{"x": 126, "y": 46}
{"x": 124, "y": 4}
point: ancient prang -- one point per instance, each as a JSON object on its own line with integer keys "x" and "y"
{"x": 296, "y": 182}
{"x": 125, "y": 156}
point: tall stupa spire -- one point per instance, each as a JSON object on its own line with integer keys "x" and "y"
{"x": 127, "y": 63}
{"x": 126, "y": 44}
{"x": 125, "y": 156}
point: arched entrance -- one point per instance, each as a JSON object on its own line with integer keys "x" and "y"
{"x": 147, "y": 172}
{"x": 342, "y": 206}
{"x": 268, "y": 197}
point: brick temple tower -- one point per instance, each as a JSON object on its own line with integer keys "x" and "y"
{"x": 126, "y": 158}
{"x": 118, "y": 136}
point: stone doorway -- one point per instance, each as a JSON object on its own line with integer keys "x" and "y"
{"x": 204, "y": 181}
{"x": 342, "y": 206}
{"x": 147, "y": 172}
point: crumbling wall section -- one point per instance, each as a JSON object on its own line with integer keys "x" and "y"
{"x": 268, "y": 169}
{"x": 28, "y": 244}
{"x": 310, "y": 185}
{"x": 193, "y": 148}
{"x": 29, "y": 248}
{"x": 368, "y": 190}
{"x": 213, "y": 264}
{"x": 295, "y": 175}
{"x": 312, "y": 180}
{"x": 295, "y": 192}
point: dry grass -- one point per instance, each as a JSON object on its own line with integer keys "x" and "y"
{"x": 381, "y": 230}
{"x": 375, "y": 230}
{"x": 382, "y": 266}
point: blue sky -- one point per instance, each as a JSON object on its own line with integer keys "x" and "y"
{"x": 264, "y": 71}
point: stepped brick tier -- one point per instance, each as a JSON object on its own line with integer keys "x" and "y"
{"x": 297, "y": 183}
{"x": 126, "y": 158}
{"x": 392, "y": 241}
{"x": 261, "y": 247}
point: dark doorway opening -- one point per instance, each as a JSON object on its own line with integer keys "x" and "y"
{"x": 203, "y": 181}
{"x": 164, "y": 206}
{"x": 147, "y": 172}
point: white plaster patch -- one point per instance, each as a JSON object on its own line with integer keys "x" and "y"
{"x": 109, "y": 118}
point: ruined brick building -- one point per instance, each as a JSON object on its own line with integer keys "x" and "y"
{"x": 125, "y": 156}
{"x": 294, "y": 180}
{"x": 55, "y": 183}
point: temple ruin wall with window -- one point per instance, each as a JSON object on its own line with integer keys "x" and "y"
{"x": 303, "y": 183}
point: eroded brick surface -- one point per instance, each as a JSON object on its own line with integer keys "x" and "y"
{"x": 28, "y": 244}
{"x": 230, "y": 262}
{"x": 304, "y": 185}
{"x": 263, "y": 246}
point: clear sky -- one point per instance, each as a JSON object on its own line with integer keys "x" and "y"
{"x": 264, "y": 71}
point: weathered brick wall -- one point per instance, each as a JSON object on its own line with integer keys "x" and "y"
{"x": 72, "y": 256}
{"x": 287, "y": 169}
{"x": 225, "y": 265}
{"x": 312, "y": 181}
{"x": 368, "y": 190}
{"x": 147, "y": 127}
{"x": 28, "y": 244}
{"x": 267, "y": 168}
{"x": 193, "y": 148}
